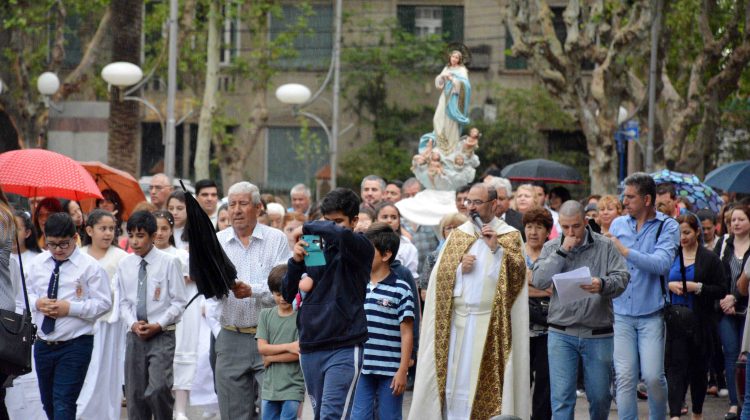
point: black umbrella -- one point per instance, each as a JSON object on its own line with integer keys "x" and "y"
{"x": 542, "y": 170}
{"x": 733, "y": 177}
{"x": 210, "y": 268}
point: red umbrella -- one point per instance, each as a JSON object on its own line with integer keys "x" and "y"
{"x": 41, "y": 173}
{"x": 121, "y": 182}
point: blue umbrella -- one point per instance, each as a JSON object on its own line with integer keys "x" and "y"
{"x": 700, "y": 195}
{"x": 732, "y": 177}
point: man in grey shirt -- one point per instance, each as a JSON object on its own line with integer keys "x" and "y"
{"x": 582, "y": 328}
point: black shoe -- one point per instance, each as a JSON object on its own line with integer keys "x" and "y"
{"x": 730, "y": 416}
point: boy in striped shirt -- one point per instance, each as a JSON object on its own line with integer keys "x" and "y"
{"x": 389, "y": 308}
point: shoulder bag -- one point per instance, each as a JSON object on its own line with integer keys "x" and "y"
{"x": 17, "y": 334}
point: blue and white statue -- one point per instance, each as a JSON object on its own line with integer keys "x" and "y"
{"x": 445, "y": 162}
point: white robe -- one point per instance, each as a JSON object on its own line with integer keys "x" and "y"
{"x": 101, "y": 395}
{"x": 472, "y": 318}
{"x": 186, "y": 334}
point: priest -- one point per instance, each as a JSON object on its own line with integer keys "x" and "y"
{"x": 474, "y": 348}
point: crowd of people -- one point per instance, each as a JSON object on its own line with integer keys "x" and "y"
{"x": 346, "y": 303}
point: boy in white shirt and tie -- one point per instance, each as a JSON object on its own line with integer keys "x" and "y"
{"x": 152, "y": 299}
{"x": 69, "y": 291}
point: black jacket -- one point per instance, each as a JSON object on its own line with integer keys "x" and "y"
{"x": 515, "y": 219}
{"x": 709, "y": 271}
{"x": 741, "y": 304}
{"x": 332, "y": 315}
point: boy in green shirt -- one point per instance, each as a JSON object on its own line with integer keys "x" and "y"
{"x": 278, "y": 341}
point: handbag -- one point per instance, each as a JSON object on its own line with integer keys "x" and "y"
{"x": 679, "y": 319}
{"x": 17, "y": 335}
{"x": 538, "y": 311}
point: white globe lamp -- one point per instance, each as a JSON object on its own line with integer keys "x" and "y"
{"x": 47, "y": 84}
{"x": 293, "y": 93}
{"x": 122, "y": 74}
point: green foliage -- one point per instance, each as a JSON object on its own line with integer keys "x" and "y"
{"x": 384, "y": 158}
{"x": 518, "y": 133}
{"x": 388, "y": 53}
{"x": 307, "y": 148}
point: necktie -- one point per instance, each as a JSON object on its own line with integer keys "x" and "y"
{"x": 48, "y": 324}
{"x": 140, "y": 309}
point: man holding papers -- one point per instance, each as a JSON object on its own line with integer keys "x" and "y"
{"x": 588, "y": 272}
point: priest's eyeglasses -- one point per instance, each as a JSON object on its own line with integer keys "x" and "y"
{"x": 475, "y": 203}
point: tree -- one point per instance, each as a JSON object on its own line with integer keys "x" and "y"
{"x": 609, "y": 34}
{"x": 719, "y": 51}
{"x": 394, "y": 55}
{"x": 255, "y": 68}
{"x": 124, "y": 116}
{"x": 209, "y": 105}
{"x": 34, "y": 37}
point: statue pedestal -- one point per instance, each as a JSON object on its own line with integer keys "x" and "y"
{"x": 428, "y": 207}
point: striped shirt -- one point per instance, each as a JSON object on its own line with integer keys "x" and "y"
{"x": 387, "y": 305}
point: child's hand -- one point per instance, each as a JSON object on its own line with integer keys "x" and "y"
{"x": 306, "y": 284}
{"x": 398, "y": 384}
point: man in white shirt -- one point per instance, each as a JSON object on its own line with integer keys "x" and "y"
{"x": 254, "y": 249}
{"x": 152, "y": 299}
{"x": 69, "y": 291}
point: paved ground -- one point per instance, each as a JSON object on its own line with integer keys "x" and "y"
{"x": 713, "y": 409}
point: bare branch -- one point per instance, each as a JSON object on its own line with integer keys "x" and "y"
{"x": 58, "y": 46}
{"x": 73, "y": 81}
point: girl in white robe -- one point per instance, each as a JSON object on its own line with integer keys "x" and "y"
{"x": 22, "y": 399}
{"x": 186, "y": 338}
{"x": 101, "y": 395}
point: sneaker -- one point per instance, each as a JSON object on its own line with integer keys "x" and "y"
{"x": 723, "y": 393}
{"x": 641, "y": 391}
{"x": 180, "y": 416}
{"x": 580, "y": 393}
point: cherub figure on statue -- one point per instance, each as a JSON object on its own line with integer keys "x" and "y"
{"x": 470, "y": 143}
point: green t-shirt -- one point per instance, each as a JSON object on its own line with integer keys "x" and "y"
{"x": 282, "y": 381}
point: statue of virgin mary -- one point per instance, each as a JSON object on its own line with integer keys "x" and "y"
{"x": 452, "y": 110}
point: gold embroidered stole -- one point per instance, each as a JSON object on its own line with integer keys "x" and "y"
{"x": 489, "y": 390}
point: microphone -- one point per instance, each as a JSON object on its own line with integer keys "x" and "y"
{"x": 477, "y": 220}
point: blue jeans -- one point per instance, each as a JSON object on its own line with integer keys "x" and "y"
{"x": 563, "y": 353}
{"x": 280, "y": 410}
{"x": 61, "y": 369}
{"x": 370, "y": 388}
{"x": 639, "y": 351}
{"x": 331, "y": 378}
{"x": 730, "y": 333}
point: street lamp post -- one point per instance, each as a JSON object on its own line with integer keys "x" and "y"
{"x": 299, "y": 95}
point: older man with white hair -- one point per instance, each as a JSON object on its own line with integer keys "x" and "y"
{"x": 503, "y": 210}
{"x": 300, "y": 196}
{"x": 254, "y": 249}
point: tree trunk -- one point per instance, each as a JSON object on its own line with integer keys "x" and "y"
{"x": 208, "y": 108}
{"x": 124, "y": 116}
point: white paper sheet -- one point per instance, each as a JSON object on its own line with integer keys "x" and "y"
{"x": 568, "y": 285}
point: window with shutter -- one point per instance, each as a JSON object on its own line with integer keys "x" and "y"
{"x": 430, "y": 20}
{"x": 512, "y": 63}
{"x": 290, "y": 159}
{"x": 315, "y": 45}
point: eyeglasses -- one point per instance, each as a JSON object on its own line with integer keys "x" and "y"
{"x": 62, "y": 245}
{"x": 476, "y": 203}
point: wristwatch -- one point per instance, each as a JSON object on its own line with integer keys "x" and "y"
{"x": 700, "y": 288}
{"x": 561, "y": 253}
